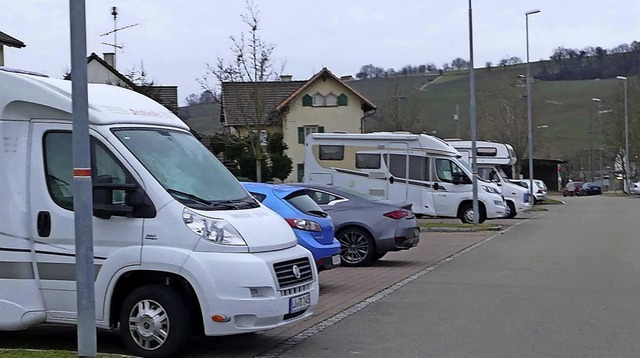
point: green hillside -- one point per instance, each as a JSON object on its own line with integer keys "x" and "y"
{"x": 561, "y": 108}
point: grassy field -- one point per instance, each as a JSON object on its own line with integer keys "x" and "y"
{"x": 562, "y": 108}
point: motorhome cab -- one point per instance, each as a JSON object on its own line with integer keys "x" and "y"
{"x": 401, "y": 167}
{"x": 180, "y": 247}
{"x": 490, "y": 157}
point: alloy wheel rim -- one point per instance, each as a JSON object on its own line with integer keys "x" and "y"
{"x": 149, "y": 324}
{"x": 353, "y": 247}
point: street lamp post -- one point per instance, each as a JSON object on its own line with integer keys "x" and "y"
{"x": 626, "y": 136}
{"x": 599, "y": 102}
{"x": 529, "y": 125}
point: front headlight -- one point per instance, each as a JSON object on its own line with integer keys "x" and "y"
{"x": 216, "y": 230}
{"x": 490, "y": 189}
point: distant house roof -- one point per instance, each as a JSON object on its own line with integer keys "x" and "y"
{"x": 324, "y": 73}
{"x": 267, "y": 95}
{"x": 10, "y": 41}
{"x": 272, "y": 98}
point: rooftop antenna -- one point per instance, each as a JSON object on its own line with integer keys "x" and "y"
{"x": 114, "y": 12}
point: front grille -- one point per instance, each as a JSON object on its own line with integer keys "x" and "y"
{"x": 285, "y": 272}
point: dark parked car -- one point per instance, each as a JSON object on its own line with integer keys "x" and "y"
{"x": 366, "y": 228}
{"x": 590, "y": 188}
{"x": 572, "y": 188}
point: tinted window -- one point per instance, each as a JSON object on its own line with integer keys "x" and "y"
{"x": 331, "y": 152}
{"x": 259, "y": 197}
{"x": 367, "y": 161}
{"x": 301, "y": 201}
{"x": 418, "y": 168}
{"x": 397, "y": 164}
{"x": 322, "y": 197}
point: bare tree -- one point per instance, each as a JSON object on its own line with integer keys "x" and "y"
{"x": 252, "y": 63}
{"x": 400, "y": 113}
{"x": 502, "y": 113}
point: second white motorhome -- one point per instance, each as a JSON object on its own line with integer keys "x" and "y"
{"x": 490, "y": 156}
{"x": 401, "y": 167}
{"x": 180, "y": 248}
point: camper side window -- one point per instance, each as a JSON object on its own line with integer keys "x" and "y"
{"x": 59, "y": 168}
{"x": 367, "y": 161}
{"x": 418, "y": 167}
{"x": 331, "y": 152}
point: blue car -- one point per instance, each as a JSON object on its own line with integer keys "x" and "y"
{"x": 313, "y": 227}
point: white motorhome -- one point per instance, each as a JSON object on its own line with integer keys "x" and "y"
{"x": 180, "y": 247}
{"x": 401, "y": 167}
{"x": 490, "y": 156}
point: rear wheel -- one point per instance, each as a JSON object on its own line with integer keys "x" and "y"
{"x": 511, "y": 210}
{"x": 356, "y": 247}
{"x": 154, "y": 321}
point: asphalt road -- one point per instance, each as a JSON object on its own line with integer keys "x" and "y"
{"x": 563, "y": 284}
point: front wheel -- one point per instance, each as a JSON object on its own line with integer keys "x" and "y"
{"x": 154, "y": 321}
{"x": 356, "y": 247}
{"x": 511, "y": 210}
{"x": 465, "y": 213}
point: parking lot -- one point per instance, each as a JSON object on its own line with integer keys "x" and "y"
{"x": 343, "y": 291}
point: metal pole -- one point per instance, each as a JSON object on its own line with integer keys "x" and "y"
{"x": 82, "y": 184}
{"x": 626, "y": 137}
{"x": 472, "y": 115}
{"x": 529, "y": 124}
{"x": 590, "y": 144}
{"x": 600, "y": 142}
{"x": 594, "y": 99}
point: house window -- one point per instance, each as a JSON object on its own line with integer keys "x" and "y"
{"x": 331, "y": 100}
{"x": 318, "y": 100}
{"x": 303, "y": 132}
{"x": 331, "y": 152}
{"x": 300, "y": 172}
{"x": 367, "y": 161}
{"x": 307, "y": 101}
{"x": 342, "y": 99}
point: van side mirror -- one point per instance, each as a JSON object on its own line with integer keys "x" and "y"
{"x": 113, "y": 199}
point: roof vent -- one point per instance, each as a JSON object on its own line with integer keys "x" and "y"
{"x": 285, "y": 78}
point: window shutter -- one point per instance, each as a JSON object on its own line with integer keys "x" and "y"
{"x": 301, "y": 135}
{"x": 342, "y": 99}
{"x": 300, "y": 172}
{"x": 307, "y": 101}
{"x": 320, "y": 129}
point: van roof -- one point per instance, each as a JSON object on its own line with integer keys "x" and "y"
{"x": 26, "y": 96}
{"x": 415, "y": 141}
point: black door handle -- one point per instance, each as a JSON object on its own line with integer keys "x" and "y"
{"x": 44, "y": 224}
{"x": 436, "y": 186}
{"x": 391, "y": 180}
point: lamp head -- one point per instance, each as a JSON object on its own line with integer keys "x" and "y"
{"x": 596, "y": 99}
{"x": 621, "y": 78}
{"x": 531, "y": 12}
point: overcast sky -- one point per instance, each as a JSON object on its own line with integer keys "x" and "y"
{"x": 176, "y": 39}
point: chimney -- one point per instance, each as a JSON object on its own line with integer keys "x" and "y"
{"x": 110, "y": 58}
{"x": 286, "y": 78}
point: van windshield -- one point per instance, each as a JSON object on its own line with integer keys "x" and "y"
{"x": 185, "y": 168}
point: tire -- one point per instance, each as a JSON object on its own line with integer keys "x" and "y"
{"x": 465, "y": 213}
{"x": 356, "y": 247}
{"x": 154, "y": 321}
{"x": 511, "y": 210}
{"x": 378, "y": 256}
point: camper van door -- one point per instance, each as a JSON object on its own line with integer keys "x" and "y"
{"x": 451, "y": 185}
{"x": 51, "y": 196}
{"x": 397, "y": 163}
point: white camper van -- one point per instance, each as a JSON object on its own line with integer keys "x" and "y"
{"x": 489, "y": 157}
{"x": 401, "y": 167}
{"x": 180, "y": 247}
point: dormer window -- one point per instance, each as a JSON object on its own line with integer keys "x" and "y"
{"x": 318, "y": 100}
{"x": 331, "y": 100}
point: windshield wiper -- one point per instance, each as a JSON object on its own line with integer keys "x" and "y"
{"x": 235, "y": 204}
{"x": 189, "y": 196}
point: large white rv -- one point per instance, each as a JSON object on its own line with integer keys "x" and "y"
{"x": 180, "y": 247}
{"x": 490, "y": 156}
{"x": 415, "y": 168}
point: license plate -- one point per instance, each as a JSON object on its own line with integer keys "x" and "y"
{"x": 299, "y": 303}
{"x": 335, "y": 260}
